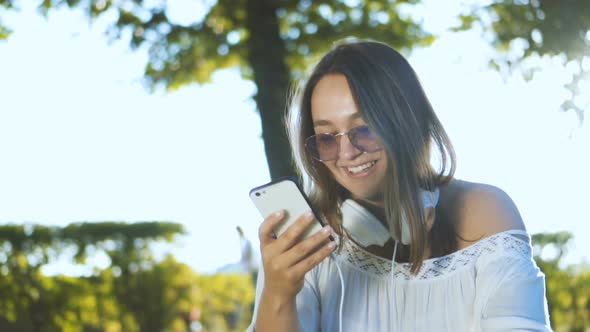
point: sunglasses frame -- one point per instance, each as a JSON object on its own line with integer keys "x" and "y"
{"x": 335, "y": 136}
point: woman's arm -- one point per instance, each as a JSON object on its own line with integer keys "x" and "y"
{"x": 275, "y": 314}
{"x": 511, "y": 287}
{"x": 514, "y": 299}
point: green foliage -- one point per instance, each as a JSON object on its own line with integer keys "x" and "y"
{"x": 180, "y": 55}
{"x": 4, "y": 30}
{"x": 568, "y": 288}
{"x": 538, "y": 27}
{"x": 271, "y": 42}
{"x": 155, "y": 296}
{"x": 141, "y": 294}
{"x": 136, "y": 293}
{"x": 225, "y": 301}
{"x": 309, "y": 28}
{"x": 35, "y": 302}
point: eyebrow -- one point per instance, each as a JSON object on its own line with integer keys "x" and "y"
{"x": 320, "y": 122}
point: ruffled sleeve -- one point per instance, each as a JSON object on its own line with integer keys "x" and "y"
{"x": 512, "y": 293}
{"x": 308, "y": 304}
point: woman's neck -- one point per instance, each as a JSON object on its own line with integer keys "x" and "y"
{"x": 375, "y": 208}
{"x": 378, "y": 210}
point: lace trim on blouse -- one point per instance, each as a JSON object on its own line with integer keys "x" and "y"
{"x": 439, "y": 266}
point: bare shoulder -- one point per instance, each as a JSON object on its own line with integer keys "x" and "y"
{"x": 483, "y": 210}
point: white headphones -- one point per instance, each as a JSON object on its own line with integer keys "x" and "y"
{"x": 367, "y": 230}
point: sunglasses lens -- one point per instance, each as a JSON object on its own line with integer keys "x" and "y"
{"x": 364, "y": 139}
{"x": 322, "y": 146}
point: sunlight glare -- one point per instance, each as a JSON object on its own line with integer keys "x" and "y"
{"x": 187, "y": 12}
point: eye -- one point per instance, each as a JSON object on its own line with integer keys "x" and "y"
{"x": 325, "y": 138}
{"x": 364, "y": 132}
{"x": 364, "y": 139}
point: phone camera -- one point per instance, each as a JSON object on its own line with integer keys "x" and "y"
{"x": 257, "y": 194}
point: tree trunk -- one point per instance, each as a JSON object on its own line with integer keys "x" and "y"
{"x": 267, "y": 58}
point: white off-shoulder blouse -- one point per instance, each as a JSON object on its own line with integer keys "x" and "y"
{"x": 492, "y": 285}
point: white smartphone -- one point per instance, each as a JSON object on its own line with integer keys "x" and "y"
{"x": 284, "y": 194}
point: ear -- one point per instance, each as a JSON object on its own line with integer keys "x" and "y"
{"x": 429, "y": 215}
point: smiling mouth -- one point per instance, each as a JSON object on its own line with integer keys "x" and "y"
{"x": 360, "y": 168}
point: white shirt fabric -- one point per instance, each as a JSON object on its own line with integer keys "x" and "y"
{"x": 492, "y": 285}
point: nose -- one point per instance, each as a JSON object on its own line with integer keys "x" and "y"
{"x": 347, "y": 150}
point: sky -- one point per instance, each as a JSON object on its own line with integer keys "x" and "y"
{"x": 82, "y": 140}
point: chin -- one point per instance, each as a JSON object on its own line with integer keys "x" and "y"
{"x": 367, "y": 195}
{"x": 370, "y": 188}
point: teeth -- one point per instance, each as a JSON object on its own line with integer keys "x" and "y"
{"x": 361, "y": 167}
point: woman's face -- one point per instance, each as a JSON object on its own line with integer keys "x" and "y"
{"x": 334, "y": 111}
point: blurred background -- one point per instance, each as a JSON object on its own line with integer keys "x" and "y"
{"x": 132, "y": 131}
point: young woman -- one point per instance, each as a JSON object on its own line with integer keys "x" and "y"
{"x": 418, "y": 250}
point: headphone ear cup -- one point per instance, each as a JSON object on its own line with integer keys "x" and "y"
{"x": 429, "y": 201}
{"x": 362, "y": 226}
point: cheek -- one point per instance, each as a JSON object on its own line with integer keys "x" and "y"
{"x": 331, "y": 166}
{"x": 382, "y": 172}
{"x": 335, "y": 172}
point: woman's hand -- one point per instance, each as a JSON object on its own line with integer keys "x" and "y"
{"x": 287, "y": 259}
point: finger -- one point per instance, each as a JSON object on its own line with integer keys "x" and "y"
{"x": 308, "y": 263}
{"x": 266, "y": 229}
{"x": 307, "y": 247}
{"x": 294, "y": 232}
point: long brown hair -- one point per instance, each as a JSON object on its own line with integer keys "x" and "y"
{"x": 392, "y": 102}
